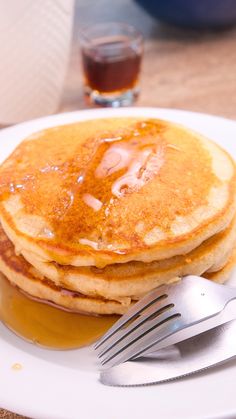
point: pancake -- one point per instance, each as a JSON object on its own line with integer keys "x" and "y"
{"x": 21, "y": 274}
{"x": 223, "y": 274}
{"x": 116, "y": 190}
{"x": 136, "y": 278}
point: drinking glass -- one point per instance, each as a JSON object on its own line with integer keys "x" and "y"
{"x": 111, "y": 60}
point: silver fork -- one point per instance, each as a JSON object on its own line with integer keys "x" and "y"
{"x": 159, "y": 318}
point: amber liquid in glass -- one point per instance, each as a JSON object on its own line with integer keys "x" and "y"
{"x": 111, "y": 65}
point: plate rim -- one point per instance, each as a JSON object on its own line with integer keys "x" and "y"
{"x": 28, "y": 411}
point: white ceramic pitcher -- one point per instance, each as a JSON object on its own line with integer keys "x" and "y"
{"x": 34, "y": 51}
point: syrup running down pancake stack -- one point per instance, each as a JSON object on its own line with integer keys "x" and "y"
{"x": 96, "y": 214}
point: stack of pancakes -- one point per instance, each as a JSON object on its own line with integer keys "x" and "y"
{"x": 96, "y": 214}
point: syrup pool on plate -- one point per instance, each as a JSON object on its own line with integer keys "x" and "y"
{"x": 48, "y": 326}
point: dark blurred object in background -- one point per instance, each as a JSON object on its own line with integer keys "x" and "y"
{"x": 193, "y": 13}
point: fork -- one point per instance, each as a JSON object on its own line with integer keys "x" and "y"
{"x": 162, "y": 315}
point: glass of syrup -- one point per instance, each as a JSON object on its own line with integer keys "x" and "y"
{"x": 111, "y": 59}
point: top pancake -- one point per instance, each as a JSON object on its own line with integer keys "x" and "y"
{"x": 115, "y": 190}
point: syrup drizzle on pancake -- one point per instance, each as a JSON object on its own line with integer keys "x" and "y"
{"x": 118, "y": 165}
{"x": 75, "y": 204}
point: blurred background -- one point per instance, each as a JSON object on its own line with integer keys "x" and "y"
{"x": 189, "y": 59}
{"x": 189, "y": 67}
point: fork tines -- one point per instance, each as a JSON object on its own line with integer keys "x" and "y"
{"x": 135, "y": 332}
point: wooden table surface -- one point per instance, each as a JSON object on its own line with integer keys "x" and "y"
{"x": 185, "y": 69}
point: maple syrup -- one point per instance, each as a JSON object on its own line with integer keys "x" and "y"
{"x": 48, "y": 326}
{"x": 111, "y": 66}
{"x": 111, "y": 61}
{"x": 82, "y": 210}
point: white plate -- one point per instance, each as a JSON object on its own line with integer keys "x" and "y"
{"x": 64, "y": 385}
